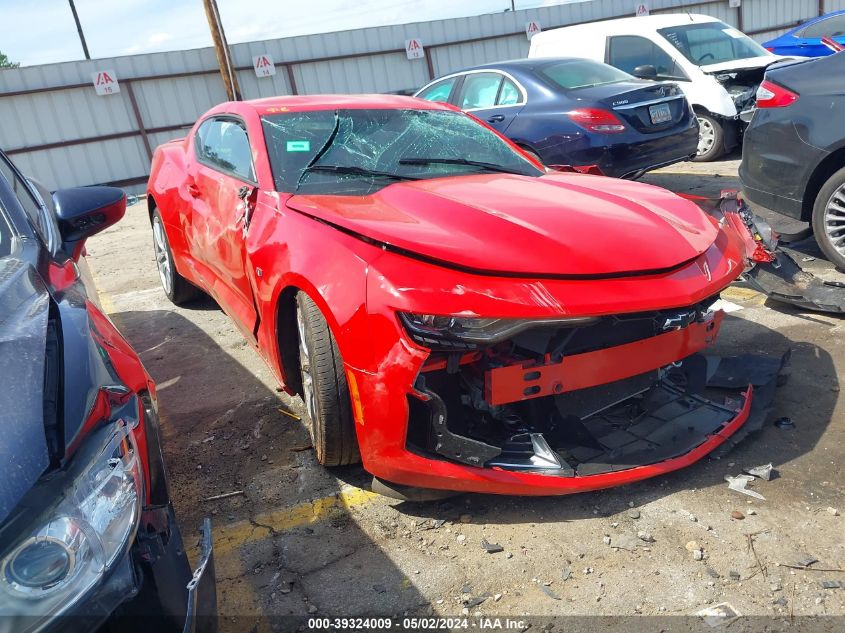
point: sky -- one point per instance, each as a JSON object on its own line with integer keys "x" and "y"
{"x": 43, "y": 31}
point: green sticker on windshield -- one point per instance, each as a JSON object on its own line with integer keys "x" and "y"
{"x": 298, "y": 146}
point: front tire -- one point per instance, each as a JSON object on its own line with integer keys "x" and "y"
{"x": 711, "y": 139}
{"x": 324, "y": 388}
{"x": 829, "y": 219}
{"x": 178, "y": 289}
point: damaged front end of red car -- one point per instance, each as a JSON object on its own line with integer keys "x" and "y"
{"x": 601, "y": 401}
{"x": 559, "y": 404}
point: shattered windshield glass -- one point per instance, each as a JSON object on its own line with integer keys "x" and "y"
{"x": 357, "y": 152}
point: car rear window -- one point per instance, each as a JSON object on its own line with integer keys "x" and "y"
{"x": 582, "y": 73}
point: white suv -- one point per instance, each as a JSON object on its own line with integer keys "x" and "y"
{"x": 717, "y": 67}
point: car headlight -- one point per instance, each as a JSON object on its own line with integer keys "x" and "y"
{"x": 468, "y": 333}
{"x": 74, "y": 543}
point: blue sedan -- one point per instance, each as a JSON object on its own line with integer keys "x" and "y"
{"x": 577, "y": 112}
{"x": 806, "y": 39}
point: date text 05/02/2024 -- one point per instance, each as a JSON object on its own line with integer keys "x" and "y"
{"x": 417, "y": 624}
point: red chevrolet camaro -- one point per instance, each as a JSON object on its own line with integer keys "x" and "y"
{"x": 453, "y": 314}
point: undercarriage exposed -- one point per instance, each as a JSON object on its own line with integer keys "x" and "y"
{"x": 600, "y": 396}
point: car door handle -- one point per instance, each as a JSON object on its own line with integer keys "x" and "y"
{"x": 193, "y": 190}
{"x": 496, "y": 118}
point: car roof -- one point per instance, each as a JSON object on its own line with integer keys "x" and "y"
{"x": 300, "y": 103}
{"x": 636, "y": 24}
{"x": 524, "y": 63}
{"x": 818, "y": 19}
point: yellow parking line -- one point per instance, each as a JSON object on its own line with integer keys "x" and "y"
{"x": 235, "y": 535}
{"x": 735, "y": 293}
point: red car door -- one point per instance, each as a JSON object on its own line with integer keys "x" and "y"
{"x": 225, "y": 188}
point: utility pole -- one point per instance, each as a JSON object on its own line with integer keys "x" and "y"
{"x": 221, "y": 48}
{"x": 79, "y": 30}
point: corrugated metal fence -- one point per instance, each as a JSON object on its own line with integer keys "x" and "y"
{"x": 58, "y": 129}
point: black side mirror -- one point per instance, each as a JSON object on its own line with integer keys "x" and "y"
{"x": 85, "y": 211}
{"x": 646, "y": 71}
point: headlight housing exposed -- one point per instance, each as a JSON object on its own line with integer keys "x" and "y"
{"x": 76, "y": 541}
{"x": 450, "y": 333}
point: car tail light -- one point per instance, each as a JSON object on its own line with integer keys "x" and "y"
{"x": 597, "y": 120}
{"x": 770, "y": 95}
{"x": 770, "y": 49}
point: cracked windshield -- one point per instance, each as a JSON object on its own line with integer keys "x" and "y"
{"x": 357, "y": 152}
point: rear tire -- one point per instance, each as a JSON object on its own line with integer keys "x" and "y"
{"x": 829, "y": 219}
{"x": 324, "y": 388}
{"x": 178, "y": 289}
{"x": 711, "y": 139}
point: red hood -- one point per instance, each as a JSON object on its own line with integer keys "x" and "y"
{"x": 558, "y": 224}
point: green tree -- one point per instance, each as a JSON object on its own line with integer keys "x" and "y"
{"x": 5, "y": 63}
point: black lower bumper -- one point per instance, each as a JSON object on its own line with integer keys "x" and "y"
{"x": 783, "y": 280}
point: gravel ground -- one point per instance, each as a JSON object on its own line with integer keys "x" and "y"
{"x": 301, "y": 540}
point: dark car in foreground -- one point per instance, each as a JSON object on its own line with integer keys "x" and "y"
{"x": 806, "y": 39}
{"x": 793, "y": 159}
{"x": 577, "y": 112}
{"x": 87, "y": 531}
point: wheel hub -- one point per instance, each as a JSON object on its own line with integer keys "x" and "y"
{"x": 162, "y": 254}
{"x": 834, "y": 220}
{"x": 706, "y": 136}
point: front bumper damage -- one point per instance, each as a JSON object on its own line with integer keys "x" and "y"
{"x": 621, "y": 390}
{"x": 596, "y": 419}
{"x": 773, "y": 270}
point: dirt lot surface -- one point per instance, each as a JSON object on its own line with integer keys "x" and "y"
{"x": 301, "y": 540}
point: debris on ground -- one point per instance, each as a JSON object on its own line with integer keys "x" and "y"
{"x": 833, "y": 511}
{"x": 765, "y": 472}
{"x": 720, "y": 614}
{"x": 551, "y": 594}
{"x": 626, "y": 542}
{"x": 734, "y": 575}
{"x": 491, "y": 548}
{"x": 806, "y": 561}
{"x": 645, "y": 536}
{"x": 831, "y": 584}
{"x": 736, "y": 514}
{"x": 634, "y": 514}
{"x": 497, "y": 597}
{"x": 711, "y": 572}
{"x": 566, "y": 573}
{"x": 606, "y": 540}
{"x": 225, "y": 495}
{"x": 739, "y": 483}
{"x": 785, "y": 423}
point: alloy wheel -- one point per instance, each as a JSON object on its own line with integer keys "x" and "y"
{"x": 162, "y": 255}
{"x": 305, "y": 368}
{"x": 834, "y": 220}
{"x": 706, "y": 136}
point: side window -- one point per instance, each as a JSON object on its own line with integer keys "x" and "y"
{"x": 629, "y": 51}
{"x": 224, "y": 145}
{"x": 509, "y": 93}
{"x": 480, "y": 90}
{"x": 30, "y": 205}
{"x": 439, "y": 91}
{"x": 833, "y": 26}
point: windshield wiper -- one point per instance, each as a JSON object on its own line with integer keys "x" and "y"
{"x": 461, "y": 161}
{"x": 358, "y": 171}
